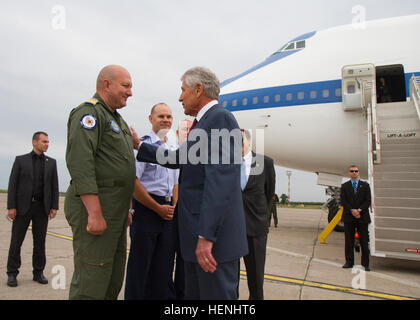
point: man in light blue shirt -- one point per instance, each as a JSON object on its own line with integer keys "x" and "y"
{"x": 153, "y": 233}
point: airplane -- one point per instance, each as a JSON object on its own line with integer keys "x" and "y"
{"x": 345, "y": 95}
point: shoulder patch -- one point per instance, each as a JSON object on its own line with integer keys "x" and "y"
{"x": 92, "y": 101}
{"x": 88, "y": 121}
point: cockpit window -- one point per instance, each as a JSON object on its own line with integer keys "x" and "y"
{"x": 290, "y": 46}
{"x": 300, "y": 44}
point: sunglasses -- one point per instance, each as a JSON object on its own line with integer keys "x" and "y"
{"x": 352, "y": 171}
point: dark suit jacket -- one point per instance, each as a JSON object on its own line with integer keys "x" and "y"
{"x": 20, "y": 185}
{"x": 257, "y": 195}
{"x": 360, "y": 200}
{"x": 210, "y": 197}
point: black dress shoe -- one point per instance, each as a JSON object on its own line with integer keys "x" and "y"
{"x": 40, "y": 278}
{"x": 367, "y": 268}
{"x": 347, "y": 266}
{"x": 11, "y": 280}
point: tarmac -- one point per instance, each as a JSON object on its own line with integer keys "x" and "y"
{"x": 298, "y": 267}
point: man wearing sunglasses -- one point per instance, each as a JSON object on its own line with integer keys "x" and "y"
{"x": 356, "y": 199}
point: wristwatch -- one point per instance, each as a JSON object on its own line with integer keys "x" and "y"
{"x": 131, "y": 211}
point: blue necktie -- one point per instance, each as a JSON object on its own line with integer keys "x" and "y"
{"x": 243, "y": 174}
{"x": 354, "y": 186}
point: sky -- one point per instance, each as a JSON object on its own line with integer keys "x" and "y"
{"x": 52, "y": 52}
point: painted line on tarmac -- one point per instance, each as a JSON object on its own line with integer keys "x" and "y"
{"x": 326, "y": 286}
{"x": 335, "y": 264}
{"x": 313, "y": 284}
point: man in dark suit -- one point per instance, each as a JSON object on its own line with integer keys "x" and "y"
{"x": 356, "y": 200}
{"x": 211, "y": 218}
{"x": 32, "y": 195}
{"x": 257, "y": 183}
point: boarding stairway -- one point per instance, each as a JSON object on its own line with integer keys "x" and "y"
{"x": 394, "y": 173}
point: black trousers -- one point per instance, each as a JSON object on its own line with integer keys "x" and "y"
{"x": 255, "y": 264}
{"x": 39, "y": 219}
{"x": 349, "y": 231}
{"x": 151, "y": 260}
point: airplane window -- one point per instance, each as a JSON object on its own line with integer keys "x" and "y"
{"x": 224, "y": 104}
{"x": 266, "y": 99}
{"x": 244, "y": 101}
{"x": 290, "y": 46}
{"x": 301, "y": 95}
{"x": 277, "y": 97}
{"x": 325, "y": 93}
{"x": 234, "y": 102}
{"x": 254, "y": 100}
{"x": 289, "y": 96}
{"x": 300, "y": 44}
{"x": 338, "y": 92}
{"x": 313, "y": 94}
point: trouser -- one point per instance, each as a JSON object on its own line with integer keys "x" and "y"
{"x": 39, "y": 219}
{"x": 349, "y": 232}
{"x": 151, "y": 260}
{"x": 219, "y": 285}
{"x": 273, "y": 212}
{"x": 99, "y": 261}
{"x": 255, "y": 264}
{"x": 179, "y": 280}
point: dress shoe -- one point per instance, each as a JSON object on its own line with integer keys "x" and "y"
{"x": 11, "y": 280}
{"x": 347, "y": 266}
{"x": 367, "y": 268}
{"x": 40, "y": 278}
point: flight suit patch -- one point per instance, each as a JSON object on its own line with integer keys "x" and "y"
{"x": 88, "y": 121}
{"x": 114, "y": 126}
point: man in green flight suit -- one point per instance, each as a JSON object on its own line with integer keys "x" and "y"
{"x": 100, "y": 160}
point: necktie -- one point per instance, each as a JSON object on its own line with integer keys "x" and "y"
{"x": 354, "y": 186}
{"x": 192, "y": 126}
{"x": 243, "y": 174}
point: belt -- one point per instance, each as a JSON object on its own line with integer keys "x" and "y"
{"x": 36, "y": 199}
{"x": 167, "y": 199}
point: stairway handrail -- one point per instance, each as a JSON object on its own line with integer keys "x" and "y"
{"x": 369, "y": 104}
{"x": 415, "y": 93}
{"x": 373, "y": 149}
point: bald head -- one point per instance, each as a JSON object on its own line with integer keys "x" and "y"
{"x": 114, "y": 86}
{"x": 108, "y": 73}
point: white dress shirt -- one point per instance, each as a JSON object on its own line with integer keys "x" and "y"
{"x": 248, "y": 162}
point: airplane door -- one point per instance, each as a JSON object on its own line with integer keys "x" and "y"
{"x": 390, "y": 83}
{"x": 351, "y": 84}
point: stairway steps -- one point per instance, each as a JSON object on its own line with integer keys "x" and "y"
{"x": 398, "y": 167}
{"x": 391, "y": 222}
{"x": 393, "y": 248}
{"x": 400, "y": 234}
{"x": 406, "y": 140}
{"x": 401, "y": 212}
{"x": 396, "y": 183}
{"x": 397, "y": 192}
{"x": 400, "y": 147}
{"x": 398, "y": 202}
{"x": 399, "y": 160}
{"x": 400, "y": 153}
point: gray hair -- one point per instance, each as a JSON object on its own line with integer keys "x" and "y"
{"x": 206, "y": 77}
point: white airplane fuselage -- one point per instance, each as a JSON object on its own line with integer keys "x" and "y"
{"x": 296, "y": 95}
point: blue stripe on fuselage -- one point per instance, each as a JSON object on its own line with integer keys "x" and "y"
{"x": 289, "y": 95}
